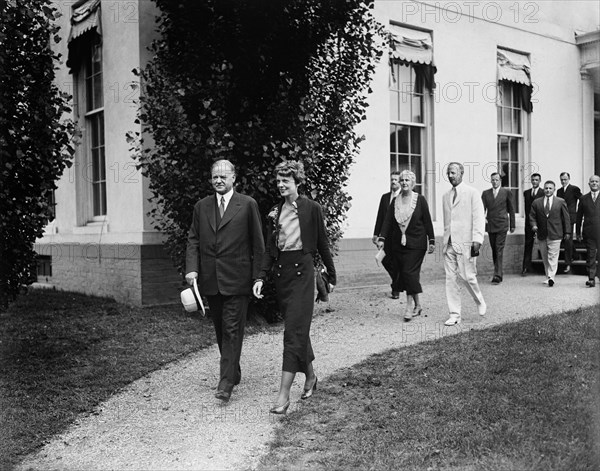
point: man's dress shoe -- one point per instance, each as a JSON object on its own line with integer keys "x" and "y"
{"x": 223, "y": 395}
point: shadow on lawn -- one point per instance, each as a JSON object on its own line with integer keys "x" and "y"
{"x": 61, "y": 354}
{"x": 517, "y": 396}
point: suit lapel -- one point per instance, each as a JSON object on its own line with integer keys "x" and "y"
{"x": 211, "y": 213}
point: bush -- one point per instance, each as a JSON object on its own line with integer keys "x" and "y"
{"x": 256, "y": 83}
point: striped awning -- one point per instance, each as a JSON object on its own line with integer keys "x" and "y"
{"x": 513, "y": 66}
{"x": 411, "y": 45}
{"x": 85, "y": 17}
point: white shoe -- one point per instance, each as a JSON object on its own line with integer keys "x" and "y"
{"x": 453, "y": 319}
{"x": 482, "y": 308}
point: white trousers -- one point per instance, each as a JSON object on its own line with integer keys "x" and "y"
{"x": 464, "y": 267}
{"x": 550, "y": 250}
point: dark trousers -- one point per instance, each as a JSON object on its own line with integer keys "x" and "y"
{"x": 229, "y": 318}
{"x": 568, "y": 246}
{"x": 592, "y": 257}
{"x": 389, "y": 264}
{"x": 497, "y": 242}
{"x": 529, "y": 241}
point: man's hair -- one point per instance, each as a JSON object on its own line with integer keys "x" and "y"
{"x": 221, "y": 162}
{"x": 551, "y": 182}
{"x": 459, "y": 165}
{"x": 495, "y": 173}
{"x": 567, "y": 174}
{"x": 535, "y": 175}
{"x": 395, "y": 172}
{"x": 291, "y": 168}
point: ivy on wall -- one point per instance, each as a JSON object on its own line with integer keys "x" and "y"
{"x": 256, "y": 82}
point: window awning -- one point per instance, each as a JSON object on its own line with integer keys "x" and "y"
{"x": 85, "y": 18}
{"x": 411, "y": 45}
{"x": 513, "y": 67}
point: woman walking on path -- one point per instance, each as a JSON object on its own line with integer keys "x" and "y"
{"x": 406, "y": 235}
{"x": 297, "y": 233}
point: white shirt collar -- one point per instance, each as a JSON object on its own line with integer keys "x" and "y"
{"x": 227, "y": 197}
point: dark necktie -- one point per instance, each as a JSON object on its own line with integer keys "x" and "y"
{"x": 547, "y": 206}
{"x": 222, "y": 206}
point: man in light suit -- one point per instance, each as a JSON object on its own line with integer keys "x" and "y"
{"x": 571, "y": 194}
{"x": 529, "y": 196}
{"x": 589, "y": 214}
{"x": 224, "y": 251}
{"x": 500, "y": 218}
{"x": 549, "y": 218}
{"x": 464, "y": 226}
{"x": 384, "y": 204}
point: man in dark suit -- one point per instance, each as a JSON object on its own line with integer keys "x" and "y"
{"x": 384, "y": 204}
{"x": 549, "y": 219}
{"x": 224, "y": 251}
{"x": 529, "y": 196}
{"x": 500, "y": 218}
{"x": 571, "y": 194}
{"x": 589, "y": 214}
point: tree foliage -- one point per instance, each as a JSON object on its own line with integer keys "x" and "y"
{"x": 35, "y": 142}
{"x": 256, "y": 82}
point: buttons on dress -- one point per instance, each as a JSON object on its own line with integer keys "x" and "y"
{"x": 295, "y": 264}
{"x": 298, "y": 273}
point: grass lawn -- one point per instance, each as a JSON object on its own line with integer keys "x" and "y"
{"x": 521, "y": 396}
{"x": 61, "y": 354}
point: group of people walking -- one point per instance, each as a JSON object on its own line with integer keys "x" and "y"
{"x": 230, "y": 258}
{"x": 403, "y": 229}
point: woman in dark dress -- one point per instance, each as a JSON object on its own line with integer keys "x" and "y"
{"x": 296, "y": 234}
{"x": 406, "y": 235}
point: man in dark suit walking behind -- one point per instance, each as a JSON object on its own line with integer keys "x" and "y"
{"x": 224, "y": 251}
{"x": 384, "y": 204}
{"x": 571, "y": 194}
{"x": 549, "y": 218}
{"x": 500, "y": 217}
{"x": 529, "y": 196}
{"x": 589, "y": 214}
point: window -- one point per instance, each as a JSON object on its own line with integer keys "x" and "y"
{"x": 94, "y": 118}
{"x": 513, "y": 105}
{"x": 406, "y": 121}
{"x": 85, "y": 63}
{"x": 510, "y": 138}
{"x": 411, "y": 85}
{"x": 44, "y": 266}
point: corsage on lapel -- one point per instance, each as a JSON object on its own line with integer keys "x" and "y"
{"x": 274, "y": 217}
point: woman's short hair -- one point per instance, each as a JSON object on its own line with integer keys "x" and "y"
{"x": 291, "y": 168}
{"x": 410, "y": 174}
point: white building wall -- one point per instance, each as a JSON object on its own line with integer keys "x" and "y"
{"x": 465, "y": 38}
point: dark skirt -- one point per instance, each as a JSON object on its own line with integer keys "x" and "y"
{"x": 294, "y": 276}
{"x": 408, "y": 265}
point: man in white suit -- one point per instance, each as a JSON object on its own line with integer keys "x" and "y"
{"x": 464, "y": 227}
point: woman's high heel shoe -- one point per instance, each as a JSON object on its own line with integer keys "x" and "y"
{"x": 417, "y": 311}
{"x": 309, "y": 392}
{"x": 280, "y": 410}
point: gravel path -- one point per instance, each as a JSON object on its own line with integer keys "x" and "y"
{"x": 170, "y": 420}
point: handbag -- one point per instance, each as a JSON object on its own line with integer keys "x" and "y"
{"x": 322, "y": 278}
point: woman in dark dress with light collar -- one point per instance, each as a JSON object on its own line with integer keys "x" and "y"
{"x": 296, "y": 234}
{"x": 406, "y": 235}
